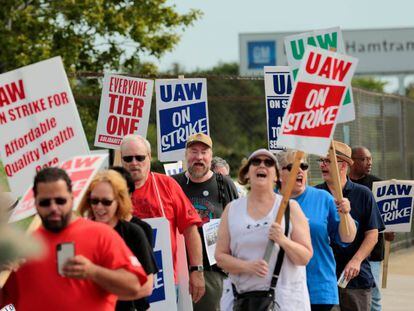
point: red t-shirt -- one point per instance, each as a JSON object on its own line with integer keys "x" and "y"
{"x": 38, "y": 286}
{"x": 177, "y": 207}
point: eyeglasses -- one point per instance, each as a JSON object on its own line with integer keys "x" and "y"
{"x": 267, "y": 162}
{"x": 96, "y": 201}
{"x": 139, "y": 158}
{"x": 326, "y": 161}
{"x": 303, "y": 166}
{"x": 48, "y": 201}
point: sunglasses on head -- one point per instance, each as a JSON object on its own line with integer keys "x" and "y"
{"x": 48, "y": 201}
{"x": 303, "y": 166}
{"x": 96, "y": 201}
{"x": 138, "y": 158}
{"x": 267, "y": 162}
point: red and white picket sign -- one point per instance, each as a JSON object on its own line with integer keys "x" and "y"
{"x": 39, "y": 121}
{"x": 310, "y": 118}
{"x": 124, "y": 109}
{"x": 80, "y": 169}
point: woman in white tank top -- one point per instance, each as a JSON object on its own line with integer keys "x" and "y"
{"x": 248, "y": 223}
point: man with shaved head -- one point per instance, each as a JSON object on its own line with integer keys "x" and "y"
{"x": 360, "y": 174}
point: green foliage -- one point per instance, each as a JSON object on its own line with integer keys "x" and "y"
{"x": 90, "y": 35}
{"x": 369, "y": 84}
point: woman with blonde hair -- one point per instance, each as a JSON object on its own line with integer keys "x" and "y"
{"x": 107, "y": 201}
{"x": 246, "y": 226}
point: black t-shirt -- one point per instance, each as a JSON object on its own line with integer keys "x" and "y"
{"x": 209, "y": 199}
{"x": 377, "y": 253}
{"x": 146, "y": 227}
{"x": 137, "y": 242}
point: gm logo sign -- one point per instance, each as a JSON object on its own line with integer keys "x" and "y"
{"x": 261, "y": 53}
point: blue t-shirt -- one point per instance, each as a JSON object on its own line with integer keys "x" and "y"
{"x": 364, "y": 210}
{"x": 320, "y": 209}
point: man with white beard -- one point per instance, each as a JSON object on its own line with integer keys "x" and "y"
{"x": 210, "y": 193}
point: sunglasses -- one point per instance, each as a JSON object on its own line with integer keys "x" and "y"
{"x": 327, "y": 161}
{"x": 139, "y": 158}
{"x": 267, "y": 162}
{"x": 48, "y": 201}
{"x": 96, "y": 201}
{"x": 303, "y": 166}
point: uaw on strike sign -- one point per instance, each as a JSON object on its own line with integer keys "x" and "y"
{"x": 395, "y": 203}
{"x": 314, "y": 105}
{"x": 125, "y": 108}
{"x": 327, "y": 39}
{"x": 181, "y": 111}
{"x": 39, "y": 122}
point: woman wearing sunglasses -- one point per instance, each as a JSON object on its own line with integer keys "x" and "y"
{"x": 107, "y": 201}
{"x": 246, "y": 226}
{"x": 322, "y": 213}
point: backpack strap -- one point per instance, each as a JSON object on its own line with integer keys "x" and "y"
{"x": 221, "y": 190}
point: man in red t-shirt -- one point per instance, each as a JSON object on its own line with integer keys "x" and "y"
{"x": 102, "y": 269}
{"x": 158, "y": 195}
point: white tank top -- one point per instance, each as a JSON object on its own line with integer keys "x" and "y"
{"x": 248, "y": 240}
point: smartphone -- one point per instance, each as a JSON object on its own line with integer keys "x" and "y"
{"x": 64, "y": 251}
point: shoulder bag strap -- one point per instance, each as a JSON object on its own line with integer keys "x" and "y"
{"x": 221, "y": 190}
{"x": 281, "y": 253}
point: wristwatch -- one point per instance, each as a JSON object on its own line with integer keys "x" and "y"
{"x": 198, "y": 268}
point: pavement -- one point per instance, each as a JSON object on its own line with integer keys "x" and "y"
{"x": 399, "y": 294}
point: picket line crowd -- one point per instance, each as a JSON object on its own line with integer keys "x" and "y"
{"x": 318, "y": 239}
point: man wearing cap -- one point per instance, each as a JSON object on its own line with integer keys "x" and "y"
{"x": 360, "y": 174}
{"x": 158, "y": 195}
{"x": 209, "y": 193}
{"x": 352, "y": 260}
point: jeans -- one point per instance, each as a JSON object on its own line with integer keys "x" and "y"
{"x": 376, "y": 294}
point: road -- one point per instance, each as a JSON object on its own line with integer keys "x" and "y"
{"x": 399, "y": 294}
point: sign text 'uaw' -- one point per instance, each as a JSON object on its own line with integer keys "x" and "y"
{"x": 315, "y": 103}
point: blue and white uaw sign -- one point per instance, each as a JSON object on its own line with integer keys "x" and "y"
{"x": 278, "y": 86}
{"x": 181, "y": 111}
{"x": 163, "y": 295}
{"x": 395, "y": 202}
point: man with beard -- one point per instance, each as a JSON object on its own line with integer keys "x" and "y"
{"x": 360, "y": 174}
{"x": 102, "y": 269}
{"x": 352, "y": 259}
{"x": 158, "y": 195}
{"x": 210, "y": 193}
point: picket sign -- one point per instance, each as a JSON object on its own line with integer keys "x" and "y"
{"x": 285, "y": 200}
{"x": 34, "y": 225}
{"x": 385, "y": 263}
{"x": 124, "y": 109}
{"x": 344, "y": 223}
{"x": 395, "y": 203}
{"x": 117, "y": 158}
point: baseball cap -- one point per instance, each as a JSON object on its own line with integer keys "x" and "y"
{"x": 262, "y": 152}
{"x": 199, "y": 138}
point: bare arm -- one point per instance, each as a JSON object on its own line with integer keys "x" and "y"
{"x": 299, "y": 247}
{"x": 120, "y": 282}
{"x": 232, "y": 264}
{"x": 344, "y": 208}
{"x": 195, "y": 257}
{"x": 354, "y": 265}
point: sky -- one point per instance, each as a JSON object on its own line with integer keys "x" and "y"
{"x": 214, "y": 37}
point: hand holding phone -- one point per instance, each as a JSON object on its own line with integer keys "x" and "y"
{"x": 64, "y": 251}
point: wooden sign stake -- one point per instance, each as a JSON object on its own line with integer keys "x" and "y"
{"x": 285, "y": 200}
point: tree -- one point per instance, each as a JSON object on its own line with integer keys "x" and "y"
{"x": 89, "y": 35}
{"x": 369, "y": 84}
